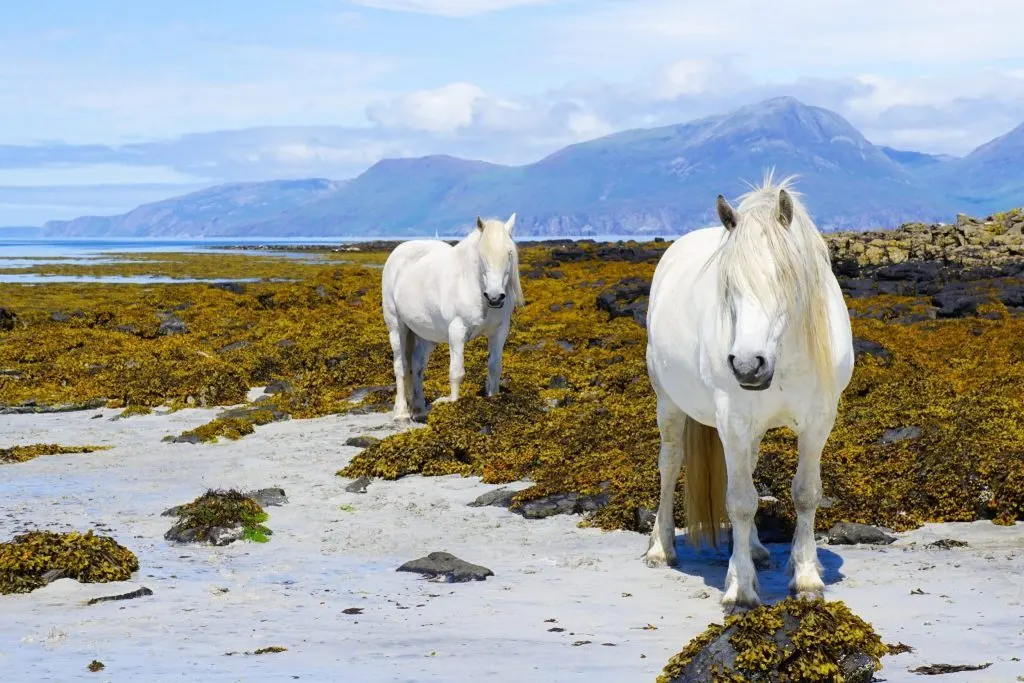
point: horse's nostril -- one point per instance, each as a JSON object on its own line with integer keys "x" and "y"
{"x": 760, "y": 362}
{"x": 732, "y": 361}
{"x": 501, "y": 297}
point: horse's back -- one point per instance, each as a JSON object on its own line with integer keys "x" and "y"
{"x": 402, "y": 261}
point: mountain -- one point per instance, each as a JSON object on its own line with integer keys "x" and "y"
{"x": 200, "y": 214}
{"x": 649, "y": 181}
{"x": 992, "y": 176}
{"x": 916, "y": 160}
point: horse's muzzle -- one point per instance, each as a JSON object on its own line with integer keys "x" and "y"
{"x": 753, "y": 374}
{"x": 496, "y": 302}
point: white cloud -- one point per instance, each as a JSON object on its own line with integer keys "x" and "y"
{"x": 451, "y": 8}
{"x": 445, "y": 110}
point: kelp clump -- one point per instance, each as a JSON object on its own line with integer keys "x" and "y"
{"x": 25, "y": 453}
{"x": 220, "y": 517}
{"x": 792, "y": 641}
{"x": 33, "y": 559}
{"x": 232, "y": 424}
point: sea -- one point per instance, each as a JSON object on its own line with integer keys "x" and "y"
{"x": 22, "y": 253}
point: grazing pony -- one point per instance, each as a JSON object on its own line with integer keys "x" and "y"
{"x": 747, "y": 331}
{"x": 435, "y": 293}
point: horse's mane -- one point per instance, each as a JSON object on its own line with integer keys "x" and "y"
{"x": 498, "y": 248}
{"x": 802, "y": 268}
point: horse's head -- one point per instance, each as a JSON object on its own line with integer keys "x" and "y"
{"x": 499, "y": 262}
{"x": 772, "y": 275}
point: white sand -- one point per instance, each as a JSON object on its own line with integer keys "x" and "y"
{"x": 321, "y": 560}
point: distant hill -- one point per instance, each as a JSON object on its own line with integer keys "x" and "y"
{"x": 648, "y": 181}
{"x": 200, "y": 214}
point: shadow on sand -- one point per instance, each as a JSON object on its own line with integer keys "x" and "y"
{"x": 711, "y": 564}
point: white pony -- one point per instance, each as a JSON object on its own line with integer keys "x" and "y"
{"x": 747, "y": 331}
{"x": 434, "y": 293}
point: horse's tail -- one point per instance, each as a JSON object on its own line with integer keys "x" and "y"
{"x": 706, "y": 481}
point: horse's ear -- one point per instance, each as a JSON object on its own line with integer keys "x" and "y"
{"x": 785, "y": 208}
{"x": 510, "y": 224}
{"x": 725, "y": 213}
{"x": 479, "y": 224}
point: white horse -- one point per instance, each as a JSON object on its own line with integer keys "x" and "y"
{"x": 434, "y": 293}
{"x": 747, "y": 331}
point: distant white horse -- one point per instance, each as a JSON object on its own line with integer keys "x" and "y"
{"x": 747, "y": 331}
{"x": 434, "y": 293}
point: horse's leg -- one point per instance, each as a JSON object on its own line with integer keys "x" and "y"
{"x": 420, "y": 358}
{"x": 803, "y": 560}
{"x": 741, "y": 504}
{"x": 398, "y": 335}
{"x": 456, "y": 368}
{"x": 762, "y": 558}
{"x": 661, "y": 550}
{"x": 495, "y": 347}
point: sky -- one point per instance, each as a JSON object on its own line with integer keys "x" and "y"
{"x": 106, "y": 104}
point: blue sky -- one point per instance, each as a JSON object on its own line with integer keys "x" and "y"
{"x": 143, "y": 100}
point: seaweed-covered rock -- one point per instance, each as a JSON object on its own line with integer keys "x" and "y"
{"x": 501, "y": 498}
{"x": 794, "y": 640}
{"x": 171, "y": 324}
{"x": 219, "y": 518}
{"x": 627, "y": 298}
{"x": 441, "y": 566}
{"x": 32, "y": 560}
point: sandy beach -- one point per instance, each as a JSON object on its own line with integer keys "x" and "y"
{"x": 332, "y": 550}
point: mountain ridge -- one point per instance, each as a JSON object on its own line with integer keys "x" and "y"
{"x": 653, "y": 181}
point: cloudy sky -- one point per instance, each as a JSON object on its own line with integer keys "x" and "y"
{"x": 109, "y": 103}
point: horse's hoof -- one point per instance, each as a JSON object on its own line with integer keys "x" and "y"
{"x": 731, "y": 607}
{"x": 810, "y": 595}
{"x": 659, "y": 559}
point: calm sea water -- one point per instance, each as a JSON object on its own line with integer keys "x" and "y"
{"x": 15, "y": 253}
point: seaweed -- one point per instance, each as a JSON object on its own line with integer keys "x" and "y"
{"x": 84, "y": 557}
{"x": 16, "y": 454}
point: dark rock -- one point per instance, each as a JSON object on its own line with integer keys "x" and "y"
{"x": 848, "y": 533}
{"x": 233, "y": 287}
{"x": 234, "y": 346}
{"x": 555, "y": 308}
{"x": 562, "y": 504}
{"x": 570, "y": 254}
{"x": 278, "y": 386}
{"x": 171, "y": 324}
{"x": 127, "y": 329}
{"x": 142, "y": 592}
{"x": 558, "y": 382}
{"x": 60, "y": 317}
{"x": 530, "y": 347}
{"x": 565, "y": 345}
{"x": 361, "y": 441}
{"x": 186, "y": 438}
{"x": 644, "y": 520}
{"x": 901, "y": 434}
{"x": 627, "y": 298}
{"x": 360, "y": 395}
{"x": 8, "y": 319}
{"x": 938, "y": 669}
{"x": 955, "y": 302}
{"x": 359, "y": 485}
{"x": 218, "y": 536}
{"x": 501, "y": 498}
{"x": 285, "y": 344}
{"x": 863, "y": 347}
{"x": 53, "y": 575}
{"x": 271, "y": 497}
{"x": 946, "y": 544}
{"x": 445, "y": 567}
